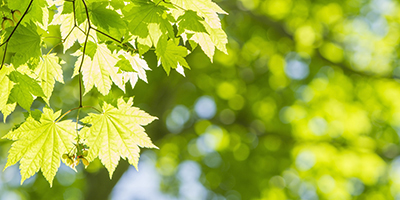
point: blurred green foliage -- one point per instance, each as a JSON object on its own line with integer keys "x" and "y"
{"x": 306, "y": 107}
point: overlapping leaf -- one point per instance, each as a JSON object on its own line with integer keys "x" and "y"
{"x": 38, "y": 11}
{"x": 97, "y": 71}
{"x": 148, "y": 22}
{"x": 25, "y": 43}
{"x": 202, "y": 33}
{"x": 67, "y": 29}
{"x": 205, "y": 8}
{"x": 23, "y": 89}
{"x": 170, "y": 55}
{"x": 104, "y": 17}
{"x": 40, "y": 144}
{"x": 49, "y": 71}
{"x": 117, "y": 132}
{"x": 133, "y": 68}
{"x": 5, "y": 90}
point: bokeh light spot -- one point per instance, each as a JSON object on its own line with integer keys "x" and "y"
{"x": 205, "y": 107}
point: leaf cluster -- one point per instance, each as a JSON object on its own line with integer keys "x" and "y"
{"x": 113, "y": 35}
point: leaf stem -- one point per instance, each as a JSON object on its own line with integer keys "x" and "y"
{"x": 62, "y": 116}
{"x": 76, "y": 127}
{"x": 73, "y": 7}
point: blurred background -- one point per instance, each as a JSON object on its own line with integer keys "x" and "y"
{"x": 305, "y": 106}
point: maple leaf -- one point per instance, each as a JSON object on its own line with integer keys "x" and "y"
{"x": 170, "y": 55}
{"x": 49, "y": 71}
{"x": 97, "y": 71}
{"x": 117, "y": 132}
{"x": 40, "y": 144}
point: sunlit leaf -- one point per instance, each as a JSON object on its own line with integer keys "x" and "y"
{"x": 117, "y": 133}
{"x": 39, "y": 144}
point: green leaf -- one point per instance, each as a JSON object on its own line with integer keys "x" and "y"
{"x": 91, "y": 48}
{"x": 80, "y": 12}
{"x": 148, "y": 22}
{"x": 36, "y": 114}
{"x": 25, "y": 43}
{"x": 40, "y": 145}
{"x": 6, "y": 86}
{"x": 204, "y": 8}
{"x": 191, "y": 22}
{"x": 67, "y": 8}
{"x": 208, "y": 40}
{"x": 171, "y": 55}
{"x": 97, "y": 71}
{"x": 117, "y": 132}
{"x": 23, "y": 89}
{"x": 105, "y": 18}
{"x": 49, "y": 71}
{"x": 35, "y": 13}
{"x": 124, "y": 64}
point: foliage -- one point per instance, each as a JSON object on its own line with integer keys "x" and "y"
{"x": 109, "y": 39}
{"x": 304, "y": 106}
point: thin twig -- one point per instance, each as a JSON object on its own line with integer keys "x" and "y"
{"x": 83, "y": 55}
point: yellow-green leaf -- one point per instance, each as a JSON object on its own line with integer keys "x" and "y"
{"x": 97, "y": 72}
{"x": 40, "y": 144}
{"x": 117, "y": 132}
{"x": 49, "y": 71}
{"x": 5, "y": 89}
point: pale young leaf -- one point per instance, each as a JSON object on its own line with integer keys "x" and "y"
{"x": 39, "y": 145}
{"x": 117, "y": 133}
{"x": 97, "y": 71}
{"x": 5, "y": 90}
{"x": 49, "y": 71}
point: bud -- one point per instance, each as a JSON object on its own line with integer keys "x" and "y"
{"x": 85, "y": 161}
